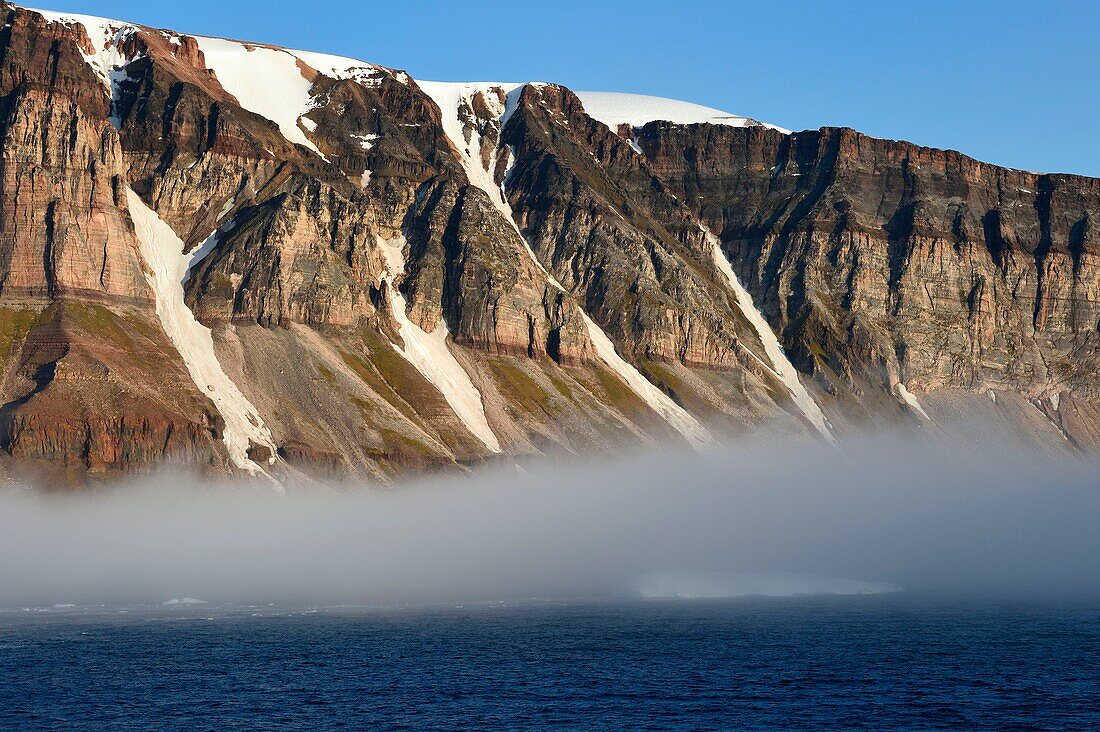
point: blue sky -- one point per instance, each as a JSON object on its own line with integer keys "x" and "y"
{"x": 1009, "y": 82}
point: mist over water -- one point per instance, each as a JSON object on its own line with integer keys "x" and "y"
{"x": 1009, "y": 524}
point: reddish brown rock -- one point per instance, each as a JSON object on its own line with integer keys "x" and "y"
{"x": 64, "y": 229}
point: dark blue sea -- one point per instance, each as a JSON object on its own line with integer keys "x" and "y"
{"x": 889, "y": 662}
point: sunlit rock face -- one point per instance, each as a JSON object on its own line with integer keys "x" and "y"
{"x": 579, "y": 258}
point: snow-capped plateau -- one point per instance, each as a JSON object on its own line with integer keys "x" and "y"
{"x": 617, "y": 108}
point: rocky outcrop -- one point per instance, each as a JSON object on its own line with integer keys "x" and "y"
{"x": 90, "y": 392}
{"x": 302, "y": 256}
{"x": 299, "y": 236}
{"x": 468, "y": 265}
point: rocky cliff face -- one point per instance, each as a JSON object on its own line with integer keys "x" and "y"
{"x": 335, "y": 270}
{"x": 901, "y": 264}
{"x": 64, "y": 228}
{"x": 613, "y": 235}
{"x": 84, "y": 351}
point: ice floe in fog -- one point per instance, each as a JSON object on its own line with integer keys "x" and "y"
{"x": 691, "y": 585}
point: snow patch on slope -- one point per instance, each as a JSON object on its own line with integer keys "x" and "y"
{"x": 339, "y": 67}
{"x": 429, "y": 354}
{"x": 452, "y": 100}
{"x": 336, "y": 67}
{"x": 366, "y": 142}
{"x": 781, "y": 366}
{"x": 266, "y": 81}
{"x": 907, "y": 398}
{"x": 163, "y": 252}
{"x": 660, "y": 402}
{"x": 1054, "y": 400}
{"x": 636, "y": 110}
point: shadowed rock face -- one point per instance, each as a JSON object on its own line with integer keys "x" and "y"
{"x": 506, "y": 224}
{"x": 885, "y": 258}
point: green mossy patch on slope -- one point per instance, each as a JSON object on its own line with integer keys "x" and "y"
{"x": 14, "y": 326}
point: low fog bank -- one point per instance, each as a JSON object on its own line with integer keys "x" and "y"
{"x": 1005, "y": 524}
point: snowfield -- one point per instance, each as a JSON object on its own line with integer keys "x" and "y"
{"x": 611, "y": 108}
{"x": 615, "y": 108}
{"x": 337, "y": 67}
{"x": 265, "y": 81}
{"x": 268, "y": 81}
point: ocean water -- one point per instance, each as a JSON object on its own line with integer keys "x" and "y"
{"x": 886, "y": 662}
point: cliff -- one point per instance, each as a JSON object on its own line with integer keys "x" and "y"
{"x": 249, "y": 259}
